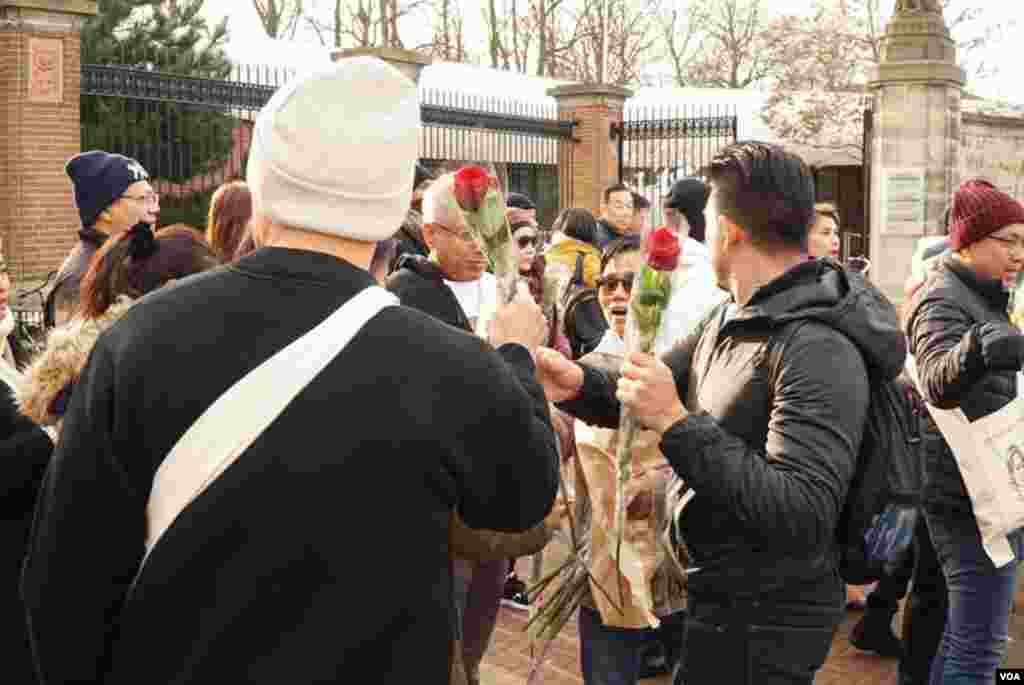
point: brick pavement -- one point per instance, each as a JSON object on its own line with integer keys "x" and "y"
{"x": 507, "y": 662}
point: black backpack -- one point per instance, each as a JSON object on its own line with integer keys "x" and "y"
{"x": 876, "y": 524}
{"x": 582, "y": 318}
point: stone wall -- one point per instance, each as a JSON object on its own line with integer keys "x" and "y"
{"x": 992, "y": 147}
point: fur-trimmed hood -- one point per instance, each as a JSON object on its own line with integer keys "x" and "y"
{"x": 55, "y": 370}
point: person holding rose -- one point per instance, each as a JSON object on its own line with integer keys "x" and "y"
{"x": 453, "y": 286}
{"x": 760, "y": 412}
{"x": 613, "y": 655}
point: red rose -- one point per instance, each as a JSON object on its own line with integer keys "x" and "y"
{"x": 663, "y": 249}
{"x": 471, "y": 186}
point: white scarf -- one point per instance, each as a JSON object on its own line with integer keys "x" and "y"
{"x": 611, "y": 344}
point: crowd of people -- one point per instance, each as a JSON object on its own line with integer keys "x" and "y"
{"x": 310, "y": 444}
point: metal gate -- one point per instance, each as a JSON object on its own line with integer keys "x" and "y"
{"x": 659, "y": 145}
{"x": 193, "y": 134}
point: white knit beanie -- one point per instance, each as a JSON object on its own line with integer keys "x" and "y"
{"x": 334, "y": 151}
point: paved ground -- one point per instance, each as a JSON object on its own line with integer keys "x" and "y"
{"x": 507, "y": 662}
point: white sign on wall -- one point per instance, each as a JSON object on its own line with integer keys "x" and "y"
{"x": 903, "y": 201}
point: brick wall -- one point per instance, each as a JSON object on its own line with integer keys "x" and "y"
{"x": 595, "y": 163}
{"x": 38, "y": 219}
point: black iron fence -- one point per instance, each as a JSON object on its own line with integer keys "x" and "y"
{"x": 660, "y": 144}
{"x": 193, "y": 134}
{"x": 525, "y": 141}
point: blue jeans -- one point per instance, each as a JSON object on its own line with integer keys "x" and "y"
{"x": 980, "y": 599}
{"x": 611, "y": 656}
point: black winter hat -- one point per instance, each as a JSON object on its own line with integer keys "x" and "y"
{"x": 690, "y": 196}
{"x": 420, "y": 175}
{"x": 100, "y": 178}
{"x": 519, "y": 201}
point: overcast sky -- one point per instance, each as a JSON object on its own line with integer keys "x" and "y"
{"x": 247, "y": 39}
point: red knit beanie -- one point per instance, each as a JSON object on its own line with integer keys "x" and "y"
{"x": 978, "y": 211}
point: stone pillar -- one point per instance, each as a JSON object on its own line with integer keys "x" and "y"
{"x": 594, "y": 164}
{"x": 40, "y": 77}
{"x": 408, "y": 62}
{"x": 915, "y": 145}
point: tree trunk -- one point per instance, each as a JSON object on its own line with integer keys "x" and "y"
{"x": 337, "y": 23}
{"x": 494, "y": 33}
{"x": 542, "y": 26}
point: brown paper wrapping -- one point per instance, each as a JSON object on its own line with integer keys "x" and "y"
{"x": 641, "y": 553}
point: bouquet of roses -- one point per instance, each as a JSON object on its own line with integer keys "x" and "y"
{"x": 652, "y": 290}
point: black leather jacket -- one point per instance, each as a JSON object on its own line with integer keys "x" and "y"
{"x": 770, "y": 452}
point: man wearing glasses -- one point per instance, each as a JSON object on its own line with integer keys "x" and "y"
{"x": 113, "y": 194}
{"x": 452, "y": 284}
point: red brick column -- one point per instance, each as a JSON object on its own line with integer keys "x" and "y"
{"x": 40, "y": 76}
{"x": 595, "y": 161}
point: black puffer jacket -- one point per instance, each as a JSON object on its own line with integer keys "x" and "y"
{"x": 771, "y": 452}
{"x": 942, "y": 330}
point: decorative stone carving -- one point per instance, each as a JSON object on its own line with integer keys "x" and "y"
{"x": 917, "y": 6}
{"x": 45, "y": 70}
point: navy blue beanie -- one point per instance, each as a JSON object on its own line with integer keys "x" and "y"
{"x": 100, "y": 178}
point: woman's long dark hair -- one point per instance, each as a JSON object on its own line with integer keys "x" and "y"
{"x": 138, "y": 262}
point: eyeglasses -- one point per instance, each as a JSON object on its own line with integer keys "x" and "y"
{"x": 464, "y": 234}
{"x": 611, "y": 282}
{"x": 1011, "y": 244}
{"x": 525, "y": 241}
{"x": 148, "y": 198}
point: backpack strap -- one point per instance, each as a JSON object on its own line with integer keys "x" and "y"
{"x": 574, "y": 283}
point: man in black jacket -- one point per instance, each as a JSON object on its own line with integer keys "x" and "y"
{"x": 321, "y": 554}
{"x": 761, "y": 413}
{"x": 616, "y": 215}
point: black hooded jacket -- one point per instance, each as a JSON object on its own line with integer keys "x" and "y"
{"x": 770, "y": 454}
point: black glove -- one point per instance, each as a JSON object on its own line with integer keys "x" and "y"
{"x": 1001, "y": 345}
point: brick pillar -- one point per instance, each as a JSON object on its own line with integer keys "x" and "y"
{"x": 40, "y": 77}
{"x": 915, "y": 146}
{"x": 409, "y": 62}
{"x": 595, "y": 162}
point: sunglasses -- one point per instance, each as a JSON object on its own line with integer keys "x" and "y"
{"x": 525, "y": 241}
{"x": 611, "y": 282}
{"x": 859, "y": 265}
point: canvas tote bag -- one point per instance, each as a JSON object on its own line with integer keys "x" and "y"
{"x": 248, "y": 407}
{"x": 990, "y": 455}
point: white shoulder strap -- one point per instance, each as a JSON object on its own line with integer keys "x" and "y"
{"x": 229, "y": 425}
